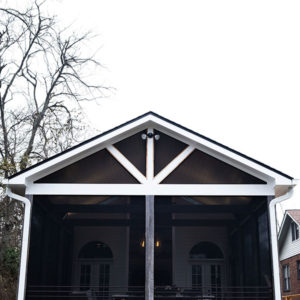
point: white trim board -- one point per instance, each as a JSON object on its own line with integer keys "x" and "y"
{"x": 154, "y": 189}
{"x": 150, "y": 120}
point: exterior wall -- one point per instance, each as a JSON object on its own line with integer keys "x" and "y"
{"x": 184, "y": 238}
{"x": 295, "y": 282}
{"x": 289, "y": 248}
{"x": 116, "y": 238}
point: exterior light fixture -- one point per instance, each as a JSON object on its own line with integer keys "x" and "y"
{"x": 157, "y": 243}
{"x": 150, "y": 135}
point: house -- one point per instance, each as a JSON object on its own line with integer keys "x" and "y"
{"x": 289, "y": 253}
{"x": 150, "y": 209}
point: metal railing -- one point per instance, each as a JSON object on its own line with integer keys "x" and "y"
{"x": 137, "y": 292}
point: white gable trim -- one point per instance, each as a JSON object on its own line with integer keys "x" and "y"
{"x": 220, "y": 152}
{"x": 150, "y": 120}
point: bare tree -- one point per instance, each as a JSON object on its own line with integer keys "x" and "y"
{"x": 44, "y": 76}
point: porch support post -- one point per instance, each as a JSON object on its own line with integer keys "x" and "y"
{"x": 149, "y": 235}
{"x": 27, "y": 200}
{"x": 274, "y": 242}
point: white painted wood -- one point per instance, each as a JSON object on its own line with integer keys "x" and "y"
{"x": 149, "y": 240}
{"x": 155, "y": 189}
{"x": 274, "y": 242}
{"x": 205, "y": 145}
{"x": 150, "y": 156}
{"x": 126, "y": 163}
{"x": 173, "y": 130}
{"x": 173, "y": 164}
{"x": 289, "y": 247}
{"x": 25, "y": 242}
{"x": 81, "y": 152}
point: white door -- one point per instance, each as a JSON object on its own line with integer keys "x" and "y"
{"x": 207, "y": 277}
{"x": 95, "y": 276}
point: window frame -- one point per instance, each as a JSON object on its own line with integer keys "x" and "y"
{"x": 295, "y": 231}
{"x": 298, "y": 269}
{"x": 286, "y": 276}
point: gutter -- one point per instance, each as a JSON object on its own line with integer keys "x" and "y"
{"x": 274, "y": 241}
{"x": 25, "y": 241}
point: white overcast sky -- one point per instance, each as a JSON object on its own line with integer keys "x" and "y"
{"x": 227, "y": 69}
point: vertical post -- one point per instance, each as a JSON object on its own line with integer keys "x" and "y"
{"x": 274, "y": 247}
{"x": 25, "y": 249}
{"x": 149, "y": 268}
{"x": 27, "y": 200}
{"x": 150, "y": 155}
{"x": 149, "y": 222}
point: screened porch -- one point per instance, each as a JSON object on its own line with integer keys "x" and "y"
{"x": 92, "y": 247}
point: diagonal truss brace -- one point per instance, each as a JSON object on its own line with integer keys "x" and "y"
{"x": 173, "y": 164}
{"x": 126, "y": 163}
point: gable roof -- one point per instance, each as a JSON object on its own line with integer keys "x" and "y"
{"x": 295, "y": 215}
{"x": 154, "y": 118}
{"x": 289, "y": 216}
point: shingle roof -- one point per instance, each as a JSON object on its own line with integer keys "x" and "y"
{"x": 295, "y": 214}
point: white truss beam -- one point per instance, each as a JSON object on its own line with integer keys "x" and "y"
{"x": 173, "y": 164}
{"x": 126, "y": 163}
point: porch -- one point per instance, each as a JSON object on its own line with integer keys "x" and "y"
{"x": 93, "y": 247}
{"x": 149, "y": 210}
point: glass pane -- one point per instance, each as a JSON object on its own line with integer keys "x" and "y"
{"x": 85, "y": 277}
{"x": 103, "y": 280}
{"x": 196, "y": 276}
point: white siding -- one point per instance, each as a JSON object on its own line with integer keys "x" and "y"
{"x": 116, "y": 238}
{"x": 289, "y": 248}
{"x": 184, "y": 238}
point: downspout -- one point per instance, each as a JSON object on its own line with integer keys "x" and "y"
{"x": 274, "y": 242}
{"x": 25, "y": 242}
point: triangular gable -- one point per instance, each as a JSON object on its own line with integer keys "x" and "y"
{"x": 285, "y": 225}
{"x": 169, "y": 130}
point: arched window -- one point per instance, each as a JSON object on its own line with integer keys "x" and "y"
{"x": 95, "y": 260}
{"x": 95, "y": 249}
{"x": 205, "y": 250}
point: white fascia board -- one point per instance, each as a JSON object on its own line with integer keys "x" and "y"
{"x": 80, "y": 152}
{"x": 175, "y": 131}
{"x": 221, "y": 153}
{"x": 150, "y": 188}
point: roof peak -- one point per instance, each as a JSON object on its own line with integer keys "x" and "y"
{"x": 159, "y": 119}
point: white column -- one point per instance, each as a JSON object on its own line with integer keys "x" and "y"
{"x": 275, "y": 255}
{"x": 27, "y": 200}
{"x": 274, "y": 242}
{"x": 149, "y": 268}
{"x": 25, "y": 250}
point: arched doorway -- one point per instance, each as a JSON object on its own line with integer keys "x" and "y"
{"x": 95, "y": 259}
{"x": 207, "y": 268}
